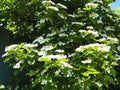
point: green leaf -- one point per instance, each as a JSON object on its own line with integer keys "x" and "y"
{"x": 31, "y": 73}
{"x": 44, "y": 60}
{"x": 86, "y": 74}
{"x": 87, "y": 9}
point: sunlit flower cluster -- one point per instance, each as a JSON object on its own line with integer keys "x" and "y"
{"x": 99, "y": 47}
{"x": 86, "y": 61}
{"x": 94, "y": 15}
{"x": 64, "y": 64}
{"x": 91, "y": 5}
{"x": 49, "y": 2}
{"x": 63, "y": 35}
{"x": 118, "y": 48}
{"x": 46, "y": 48}
{"x": 61, "y": 43}
{"x": 58, "y": 56}
{"x": 89, "y": 27}
{"x": 62, "y": 6}
{"x": 110, "y": 39}
{"x": 95, "y": 33}
{"x": 72, "y": 33}
{"x": 17, "y": 65}
{"x": 30, "y": 45}
{"x": 51, "y": 34}
{"x": 40, "y": 40}
{"x": 43, "y": 53}
{"x": 8, "y": 48}
{"x": 59, "y": 51}
{"x": 99, "y": 21}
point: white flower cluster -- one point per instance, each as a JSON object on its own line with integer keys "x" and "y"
{"x": 64, "y": 64}
{"x": 100, "y": 47}
{"x": 59, "y": 51}
{"x": 48, "y": 3}
{"x": 109, "y": 28}
{"x": 118, "y": 48}
{"x": 46, "y": 48}
{"x": 99, "y": 21}
{"x": 62, "y": 6}
{"x": 61, "y": 43}
{"x": 110, "y": 39}
{"x": 51, "y": 34}
{"x": 63, "y": 35}
{"x": 86, "y": 61}
{"x": 44, "y": 54}
{"x": 94, "y": 15}
{"x": 91, "y": 5}
{"x": 95, "y": 33}
{"x": 72, "y": 33}
{"x": 53, "y": 8}
{"x": 8, "y": 48}
{"x": 58, "y": 56}
{"x": 89, "y": 27}
{"x": 30, "y": 45}
{"x": 17, "y": 65}
{"x": 40, "y": 40}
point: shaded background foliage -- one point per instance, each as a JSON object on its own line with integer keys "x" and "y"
{"x": 62, "y": 25}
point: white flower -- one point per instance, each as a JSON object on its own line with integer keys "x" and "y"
{"x": 64, "y": 64}
{"x": 118, "y": 48}
{"x": 73, "y": 33}
{"x": 91, "y": 5}
{"x": 95, "y": 33}
{"x": 71, "y": 55}
{"x": 53, "y": 8}
{"x": 61, "y": 43}
{"x": 46, "y": 48}
{"x": 31, "y": 62}
{"x": 57, "y": 72}
{"x": 30, "y": 45}
{"x": 62, "y": 6}
{"x": 8, "y": 48}
{"x": 99, "y": 21}
{"x": 4, "y": 55}
{"x": 40, "y": 40}
{"x": 94, "y": 15}
{"x": 111, "y": 40}
{"x": 102, "y": 39}
{"x": 90, "y": 27}
{"x": 82, "y": 31}
{"x": 51, "y": 34}
{"x": 17, "y": 66}
{"x": 42, "y": 53}
{"x": 2, "y": 87}
{"x": 63, "y": 35}
{"x": 103, "y": 48}
{"x": 86, "y": 61}
{"x": 100, "y": 47}
{"x": 47, "y": 2}
{"x": 59, "y": 51}
{"x": 59, "y": 56}
{"x": 51, "y": 56}
{"x": 69, "y": 74}
{"x": 44, "y": 82}
{"x": 1, "y": 24}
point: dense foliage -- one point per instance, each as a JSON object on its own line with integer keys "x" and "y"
{"x": 67, "y": 44}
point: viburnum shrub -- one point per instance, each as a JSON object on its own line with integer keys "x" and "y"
{"x": 74, "y": 44}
